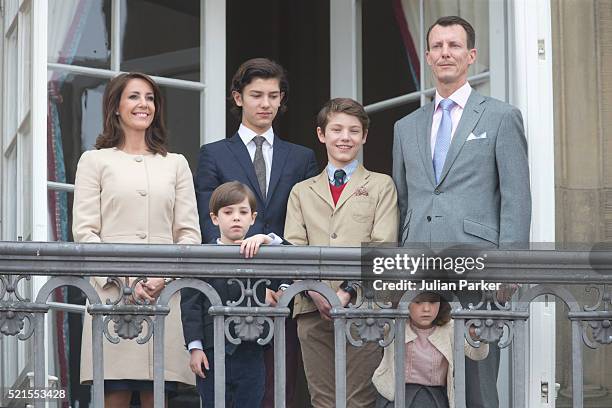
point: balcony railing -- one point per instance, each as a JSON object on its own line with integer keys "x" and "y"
{"x": 540, "y": 272}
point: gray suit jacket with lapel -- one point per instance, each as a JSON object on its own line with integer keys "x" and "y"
{"x": 483, "y": 196}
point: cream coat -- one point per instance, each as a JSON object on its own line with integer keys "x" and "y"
{"x": 150, "y": 199}
{"x": 366, "y": 212}
{"x": 443, "y": 340}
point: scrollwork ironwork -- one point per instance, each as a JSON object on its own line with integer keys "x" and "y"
{"x": 371, "y": 329}
{"x": 490, "y": 331}
{"x": 128, "y": 327}
{"x": 249, "y": 328}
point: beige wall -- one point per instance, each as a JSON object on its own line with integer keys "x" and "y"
{"x": 582, "y": 47}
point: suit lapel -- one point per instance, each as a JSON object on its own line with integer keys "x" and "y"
{"x": 358, "y": 179}
{"x": 424, "y": 140}
{"x": 471, "y": 114}
{"x": 321, "y": 187}
{"x": 280, "y": 152}
{"x": 242, "y": 156}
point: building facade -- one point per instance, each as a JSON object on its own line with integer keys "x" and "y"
{"x": 548, "y": 57}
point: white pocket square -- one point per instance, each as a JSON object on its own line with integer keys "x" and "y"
{"x": 472, "y": 136}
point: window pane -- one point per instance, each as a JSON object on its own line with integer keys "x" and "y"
{"x": 10, "y": 12}
{"x": 25, "y": 61}
{"x": 75, "y": 120}
{"x": 25, "y": 197}
{"x": 11, "y": 88}
{"x": 476, "y": 12}
{"x": 390, "y": 62}
{"x": 377, "y": 151}
{"x": 183, "y": 122}
{"x": 10, "y": 192}
{"x": 79, "y": 32}
{"x": 161, "y": 37}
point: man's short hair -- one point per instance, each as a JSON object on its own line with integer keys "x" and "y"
{"x": 455, "y": 20}
{"x": 259, "y": 68}
{"x": 231, "y": 193}
{"x": 343, "y": 105}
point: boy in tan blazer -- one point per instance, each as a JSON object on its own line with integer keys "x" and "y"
{"x": 345, "y": 205}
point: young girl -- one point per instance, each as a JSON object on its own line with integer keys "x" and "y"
{"x": 428, "y": 360}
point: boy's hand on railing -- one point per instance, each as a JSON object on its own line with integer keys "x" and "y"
{"x": 321, "y": 303}
{"x": 249, "y": 246}
{"x": 344, "y": 297}
{"x": 272, "y": 296}
{"x": 198, "y": 362}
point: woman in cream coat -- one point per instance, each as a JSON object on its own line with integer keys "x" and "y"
{"x": 131, "y": 190}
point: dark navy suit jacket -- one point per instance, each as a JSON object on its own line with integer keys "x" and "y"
{"x": 229, "y": 160}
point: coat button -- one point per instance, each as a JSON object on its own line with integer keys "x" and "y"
{"x": 436, "y": 191}
{"x": 429, "y": 218}
{"x": 333, "y": 235}
{"x": 138, "y": 158}
{"x": 142, "y": 192}
{"x": 141, "y": 235}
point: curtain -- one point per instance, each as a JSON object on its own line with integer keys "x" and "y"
{"x": 407, "y": 15}
{"x": 66, "y": 24}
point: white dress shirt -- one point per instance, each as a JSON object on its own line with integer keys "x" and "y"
{"x": 460, "y": 97}
{"x": 267, "y": 148}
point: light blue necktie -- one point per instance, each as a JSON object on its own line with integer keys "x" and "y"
{"x": 443, "y": 138}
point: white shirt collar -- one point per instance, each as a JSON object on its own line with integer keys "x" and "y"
{"x": 247, "y": 135}
{"x": 460, "y": 96}
{"x": 349, "y": 169}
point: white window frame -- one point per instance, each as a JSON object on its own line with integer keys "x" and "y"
{"x": 212, "y": 122}
{"x": 212, "y": 72}
{"x": 518, "y": 74}
{"x": 532, "y": 92}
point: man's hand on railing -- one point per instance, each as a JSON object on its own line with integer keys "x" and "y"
{"x": 198, "y": 362}
{"x": 323, "y": 305}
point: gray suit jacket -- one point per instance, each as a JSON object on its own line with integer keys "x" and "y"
{"x": 483, "y": 196}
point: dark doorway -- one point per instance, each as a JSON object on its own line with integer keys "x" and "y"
{"x": 296, "y": 35}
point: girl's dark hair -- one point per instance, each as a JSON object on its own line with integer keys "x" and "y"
{"x": 112, "y": 132}
{"x": 444, "y": 313}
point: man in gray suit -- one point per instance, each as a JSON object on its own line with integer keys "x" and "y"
{"x": 461, "y": 171}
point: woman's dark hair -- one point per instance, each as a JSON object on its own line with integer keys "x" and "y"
{"x": 444, "y": 313}
{"x": 112, "y": 132}
{"x": 258, "y": 68}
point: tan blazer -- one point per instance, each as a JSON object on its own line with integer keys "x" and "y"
{"x": 442, "y": 339}
{"x": 366, "y": 212}
{"x": 150, "y": 199}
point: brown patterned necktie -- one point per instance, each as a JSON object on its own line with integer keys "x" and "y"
{"x": 260, "y": 164}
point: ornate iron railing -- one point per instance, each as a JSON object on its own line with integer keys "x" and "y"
{"x": 69, "y": 264}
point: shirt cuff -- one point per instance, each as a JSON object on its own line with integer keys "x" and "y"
{"x": 276, "y": 240}
{"x": 195, "y": 344}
